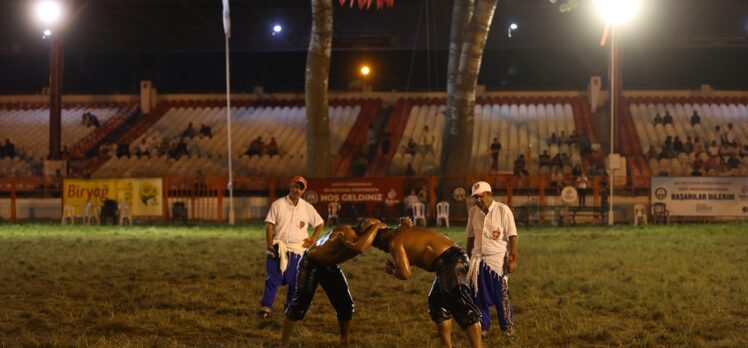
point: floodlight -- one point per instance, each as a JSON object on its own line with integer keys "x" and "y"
{"x": 47, "y": 32}
{"x": 617, "y": 11}
{"x": 365, "y": 70}
{"x": 277, "y": 29}
{"x": 513, "y": 26}
{"x": 48, "y": 12}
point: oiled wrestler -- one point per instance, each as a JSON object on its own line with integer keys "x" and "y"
{"x": 319, "y": 265}
{"x": 450, "y": 295}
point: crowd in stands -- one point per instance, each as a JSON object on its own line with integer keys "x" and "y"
{"x": 8, "y": 149}
{"x": 719, "y": 157}
{"x": 258, "y": 148}
{"x": 90, "y": 120}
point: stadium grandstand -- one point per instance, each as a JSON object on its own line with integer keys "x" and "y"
{"x": 140, "y": 111}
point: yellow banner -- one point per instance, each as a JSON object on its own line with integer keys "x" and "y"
{"x": 144, "y": 197}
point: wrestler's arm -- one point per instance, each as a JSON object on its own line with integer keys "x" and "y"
{"x": 401, "y": 267}
{"x": 269, "y": 232}
{"x": 359, "y": 244}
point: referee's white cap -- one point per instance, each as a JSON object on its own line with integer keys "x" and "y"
{"x": 480, "y": 187}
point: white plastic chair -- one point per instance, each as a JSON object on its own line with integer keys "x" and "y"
{"x": 332, "y": 213}
{"x": 68, "y": 213}
{"x": 419, "y": 213}
{"x": 442, "y": 213}
{"x": 124, "y": 213}
{"x": 91, "y": 213}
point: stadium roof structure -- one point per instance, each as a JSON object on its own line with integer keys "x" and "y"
{"x": 125, "y": 31}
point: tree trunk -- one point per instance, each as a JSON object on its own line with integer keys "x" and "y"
{"x": 464, "y": 96}
{"x": 317, "y": 75}
{"x": 462, "y": 12}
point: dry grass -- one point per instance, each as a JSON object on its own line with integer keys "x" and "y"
{"x": 200, "y": 286}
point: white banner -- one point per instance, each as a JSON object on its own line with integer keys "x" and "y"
{"x": 702, "y": 196}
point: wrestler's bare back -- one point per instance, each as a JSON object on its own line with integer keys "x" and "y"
{"x": 415, "y": 246}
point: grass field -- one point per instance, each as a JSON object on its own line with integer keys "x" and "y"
{"x": 683, "y": 285}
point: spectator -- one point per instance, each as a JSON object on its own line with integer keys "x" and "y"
{"x": 688, "y": 145}
{"x": 206, "y": 131}
{"x": 386, "y": 142}
{"x": 576, "y": 170}
{"x": 495, "y": 149}
{"x": 143, "y": 149}
{"x": 272, "y": 147}
{"x": 65, "y": 153}
{"x": 371, "y": 141}
{"x": 730, "y": 136}
{"x": 8, "y": 150}
{"x": 720, "y": 136}
{"x": 563, "y": 139}
{"x": 164, "y": 147}
{"x": 713, "y": 150}
{"x": 520, "y": 166}
{"x": 411, "y": 147}
{"x": 695, "y": 119}
{"x": 359, "y": 164}
{"x": 409, "y": 170}
{"x": 565, "y": 159}
{"x": 93, "y": 120}
{"x": 123, "y": 150}
{"x": 427, "y": 140}
{"x": 696, "y": 172}
{"x": 652, "y": 153}
{"x": 744, "y": 151}
{"x": 200, "y": 184}
{"x": 189, "y": 132}
{"x": 669, "y": 142}
{"x": 658, "y": 119}
{"x": 581, "y": 183}
{"x": 574, "y": 137}
{"x": 180, "y": 150}
{"x": 663, "y": 172}
{"x": 678, "y": 145}
{"x": 86, "y": 119}
{"x": 557, "y": 161}
{"x": 668, "y": 119}
{"x": 698, "y": 147}
{"x": 410, "y": 201}
{"x": 557, "y": 178}
{"x": 733, "y": 162}
{"x": 697, "y": 163}
{"x": 255, "y": 147}
{"x": 544, "y": 160}
{"x": 553, "y": 139}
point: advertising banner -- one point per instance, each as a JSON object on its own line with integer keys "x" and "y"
{"x": 377, "y": 190}
{"x": 702, "y": 196}
{"x": 144, "y": 197}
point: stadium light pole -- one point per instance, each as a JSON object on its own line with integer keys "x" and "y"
{"x": 50, "y": 14}
{"x": 615, "y": 13}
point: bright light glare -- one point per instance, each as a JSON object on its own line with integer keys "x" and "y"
{"x": 617, "y": 11}
{"x": 48, "y": 12}
{"x": 277, "y": 28}
{"x": 47, "y": 32}
{"x": 365, "y": 70}
{"x": 513, "y": 26}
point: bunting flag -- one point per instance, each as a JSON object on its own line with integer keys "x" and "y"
{"x": 367, "y": 3}
{"x": 226, "y": 19}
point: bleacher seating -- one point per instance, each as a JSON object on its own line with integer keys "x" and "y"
{"x": 712, "y": 112}
{"x": 520, "y": 125}
{"x": 287, "y": 124}
{"x": 28, "y": 128}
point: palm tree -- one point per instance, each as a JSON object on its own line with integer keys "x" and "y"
{"x": 471, "y": 21}
{"x": 316, "y": 83}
